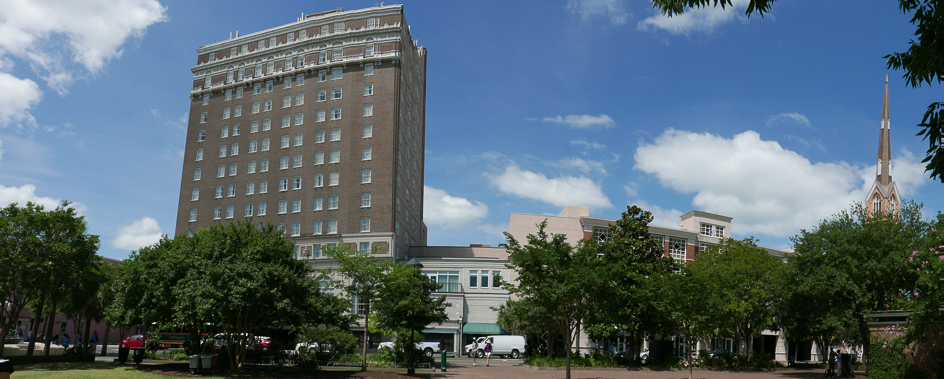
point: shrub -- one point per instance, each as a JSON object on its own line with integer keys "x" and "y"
{"x": 888, "y": 361}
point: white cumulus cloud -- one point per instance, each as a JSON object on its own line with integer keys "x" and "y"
{"x": 40, "y": 32}
{"x": 561, "y": 191}
{"x": 143, "y": 232}
{"x": 705, "y": 19}
{"x": 583, "y": 121}
{"x": 764, "y": 187}
{"x": 791, "y": 116}
{"x": 669, "y": 218}
{"x": 588, "y": 145}
{"x": 450, "y": 212}
{"x": 588, "y": 9}
{"x": 584, "y": 165}
{"x": 27, "y": 193}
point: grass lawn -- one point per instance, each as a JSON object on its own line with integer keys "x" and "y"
{"x": 81, "y": 371}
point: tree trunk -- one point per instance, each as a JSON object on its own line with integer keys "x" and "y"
{"x": 569, "y": 341}
{"x": 86, "y": 337}
{"x": 688, "y": 356}
{"x": 366, "y": 332}
{"x": 34, "y": 333}
{"x": 550, "y": 343}
{"x": 50, "y": 324}
{"x": 105, "y": 340}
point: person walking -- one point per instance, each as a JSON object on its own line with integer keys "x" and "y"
{"x": 832, "y": 364}
{"x": 488, "y": 352}
{"x": 475, "y": 351}
{"x": 94, "y": 341}
{"x": 65, "y": 343}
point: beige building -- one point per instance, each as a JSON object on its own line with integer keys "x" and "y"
{"x": 317, "y": 126}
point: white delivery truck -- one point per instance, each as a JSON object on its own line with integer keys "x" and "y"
{"x": 512, "y": 346}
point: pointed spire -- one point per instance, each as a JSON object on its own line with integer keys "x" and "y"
{"x": 885, "y": 106}
{"x": 883, "y": 172}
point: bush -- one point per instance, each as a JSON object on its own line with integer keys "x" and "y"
{"x": 887, "y": 360}
{"x": 589, "y": 360}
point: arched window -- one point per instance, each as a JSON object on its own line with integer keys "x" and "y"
{"x": 891, "y": 204}
{"x": 876, "y": 204}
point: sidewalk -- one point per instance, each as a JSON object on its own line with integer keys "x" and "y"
{"x": 480, "y": 371}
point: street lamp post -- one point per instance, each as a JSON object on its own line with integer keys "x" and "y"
{"x": 416, "y": 266}
{"x": 461, "y": 344}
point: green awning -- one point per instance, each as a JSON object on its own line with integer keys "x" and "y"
{"x": 481, "y": 329}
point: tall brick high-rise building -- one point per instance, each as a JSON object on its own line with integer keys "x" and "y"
{"x": 317, "y": 126}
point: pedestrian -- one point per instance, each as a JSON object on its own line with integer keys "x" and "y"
{"x": 488, "y": 352}
{"x": 832, "y": 364}
{"x": 475, "y": 350}
{"x": 94, "y": 341}
{"x": 55, "y": 339}
{"x": 65, "y": 343}
{"x": 839, "y": 361}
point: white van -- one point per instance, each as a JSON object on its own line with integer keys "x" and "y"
{"x": 512, "y": 346}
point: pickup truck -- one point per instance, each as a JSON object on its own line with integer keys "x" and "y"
{"x": 428, "y": 348}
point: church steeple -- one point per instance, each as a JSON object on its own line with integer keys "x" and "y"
{"x": 884, "y": 193}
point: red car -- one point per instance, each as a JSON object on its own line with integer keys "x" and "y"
{"x": 262, "y": 343}
{"x": 134, "y": 341}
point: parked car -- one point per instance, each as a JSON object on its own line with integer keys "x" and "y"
{"x": 134, "y": 341}
{"x": 428, "y": 347}
{"x": 262, "y": 343}
{"x": 512, "y": 346}
{"x": 718, "y": 352}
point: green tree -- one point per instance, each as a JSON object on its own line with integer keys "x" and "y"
{"x": 405, "y": 303}
{"x": 625, "y": 265}
{"x": 333, "y": 340}
{"x": 362, "y": 279}
{"x": 557, "y": 276}
{"x": 526, "y": 317}
{"x": 744, "y": 275}
{"x": 237, "y": 277}
{"x": 688, "y": 302}
{"x": 867, "y": 256}
{"x": 19, "y": 242}
{"x": 927, "y": 300}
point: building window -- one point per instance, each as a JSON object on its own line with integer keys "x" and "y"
{"x": 232, "y": 169}
{"x": 297, "y": 183}
{"x": 336, "y": 73}
{"x": 365, "y": 176}
{"x": 363, "y": 247}
{"x": 299, "y": 99}
{"x": 366, "y": 153}
{"x": 338, "y": 27}
{"x": 203, "y": 118}
{"x": 336, "y": 113}
{"x": 263, "y": 186}
{"x": 300, "y": 78}
{"x": 365, "y": 200}
{"x": 266, "y": 124}
{"x": 319, "y": 136}
{"x": 283, "y": 206}
{"x": 206, "y": 99}
{"x": 237, "y": 111}
{"x": 368, "y": 69}
{"x": 316, "y": 229}
{"x": 248, "y": 209}
{"x": 473, "y": 278}
{"x": 285, "y": 141}
{"x": 319, "y": 157}
{"x": 263, "y": 165}
{"x": 226, "y": 113}
{"x": 286, "y": 101}
{"x": 496, "y": 279}
{"x": 368, "y": 110}
{"x": 283, "y": 163}
{"x": 368, "y": 89}
{"x": 299, "y": 119}
{"x": 219, "y": 192}
{"x": 369, "y": 50}
{"x": 319, "y": 180}
{"x": 333, "y": 178}
{"x": 322, "y": 75}
{"x": 296, "y": 205}
{"x": 483, "y": 279}
{"x": 234, "y": 149}
{"x": 217, "y": 213}
{"x": 265, "y": 144}
{"x": 333, "y": 202}
{"x": 677, "y": 249}
{"x": 250, "y": 188}
{"x": 299, "y": 137}
{"x": 334, "y": 135}
{"x": 297, "y": 161}
{"x": 286, "y": 121}
{"x": 876, "y": 205}
{"x": 372, "y": 22}
{"x": 287, "y": 82}
{"x": 229, "y": 211}
{"x": 231, "y": 190}
{"x": 332, "y": 226}
{"x": 224, "y": 132}
{"x": 228, "y": 94}
{"x": 601, "y": 234}
{"x": 712, "y": 230}
{"x": 337, "y": 55}
{"x": 365, "y": 224}
{"x": 236, "y": 130}
{"x": 253, "y": 146}
{"x": 262, "y": 209}
{"x": 201, "y": 136}
{"x": 269, "y": 85}
{"x": 254, "y": 127}
{"x": 320, "y": 115}
{"x": 196, "y": 174}
{"x": 251, "y": 167}
{"x": 199, "y": 155}
{"x": 283, "y": 184}
{"x": 239, "y": 91}
{"x": 193, "y": 215}
{"x": 336, "y": 93}
{"x": 322, "y": 95}
{"x": 257, "y": 88}
{"x": 195, "y": 194}
{"x": 334, "y": 156}
{"x": 368, "y": 131}
{"x": 319, "y": 203}
{"x": 296, "y": 229}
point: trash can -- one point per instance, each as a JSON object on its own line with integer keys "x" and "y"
{"x": 6, "y": 368}
{"x": 138, "y": 355}
{"x": 123, "y": 353}
{"x": 442, "y": 360}
{"x": 194, "y": 364}
{"x": 209, "y": 362}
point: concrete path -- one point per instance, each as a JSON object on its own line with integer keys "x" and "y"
{"x": 492, "y": 372}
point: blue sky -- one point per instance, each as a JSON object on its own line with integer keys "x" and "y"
{"x": 531, "y": 106}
